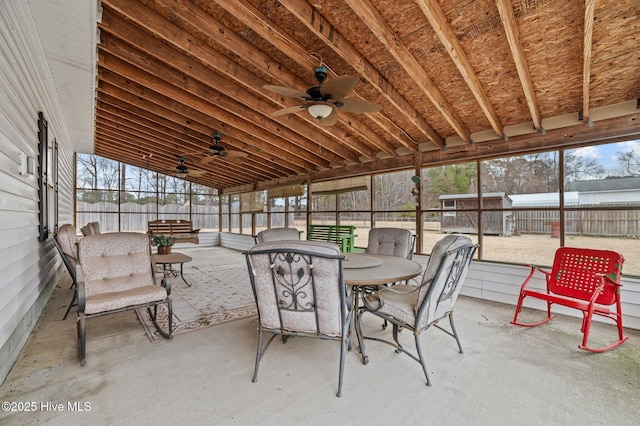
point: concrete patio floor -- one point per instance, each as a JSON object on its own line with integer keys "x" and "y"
{"x": 507, "y": 374}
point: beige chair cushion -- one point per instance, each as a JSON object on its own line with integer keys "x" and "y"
{"x": 326, "y": 274}
{"x": 67, "y": 240}
{"x": 404, "y": 301}
{"x": 117, "y": 271}
{"x": 91, "y": 228}
{"x": 95, "y": 227}
{"x": 390, "y": 242}
{"x": 278, "y": 234}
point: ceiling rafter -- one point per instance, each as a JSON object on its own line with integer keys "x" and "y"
{"x": 122, "y": 116}
{"x": 508, "y": 17}
{"x": 316, "y": 23}
{"x": 448, "y": 38}
{"x": 206, "y": 100}
{"x": 182, "y": 115}
{"x": 381, "y": 29}
{"x": 112, "y": 105}
{"x": 171, "y": 73}
{"x": 194, "y": 85}
{"x": 189, "y": 45}
{"x": 270, "y": 31}
{"x": 589, "y": 12}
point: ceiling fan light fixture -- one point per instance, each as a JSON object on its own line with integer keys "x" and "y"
{"x": 320, "y": 111}
{"x": 181, "y": 174}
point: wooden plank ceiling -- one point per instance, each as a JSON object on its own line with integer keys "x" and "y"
{"x": 456, "y": 79}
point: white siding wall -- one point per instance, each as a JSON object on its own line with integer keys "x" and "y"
{"x": 29, "y": 269}
{"x": 501, "y": 283}
{"x": 236, "y": 241}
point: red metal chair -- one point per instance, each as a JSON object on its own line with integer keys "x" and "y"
{"x": 584, "y": 279}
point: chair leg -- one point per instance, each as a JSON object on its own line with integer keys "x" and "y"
{"x": 548, "y": 318}
{"x": 81, "y": 338}
{"x": 71, "y": 304}
{"x": 586, "y": 327}
{"x": 258, "y": 356}
{"x": 395, "y": 338}
{"x": 170, "y": 309}
{"x": 421, "y": 357}
{"x": 153, "y": 314}
{"x": 360, "y": 338}
{"x": 343, "y": 350}
{"x": 455, "y": 333}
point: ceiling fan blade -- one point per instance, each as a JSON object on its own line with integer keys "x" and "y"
{"x": 288, "y": 110}
{"x": 287, "y": 91}
{"x": 330, "y": 119}
{"x": 207, "y": 159}
{"x": 339, "y": 87}
{"x": 358, "y": 105}
{"x": 196, "y": 173}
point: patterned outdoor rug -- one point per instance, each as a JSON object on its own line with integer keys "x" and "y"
{"x": 218, "y": 294}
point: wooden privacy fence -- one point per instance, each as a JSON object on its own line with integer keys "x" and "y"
{"x": 135, "y": 217}
{"x": 612, "y": 223}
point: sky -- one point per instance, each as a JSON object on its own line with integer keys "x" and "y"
{"x": 606, "y": 154}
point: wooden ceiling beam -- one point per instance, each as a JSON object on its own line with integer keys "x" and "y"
{"x": 322, "y": 28}
{"x": 113, "y": 85}
{"x": 589, "y": 13}
{"x": 269, "y": 30}
{"x": 117, "y": 132}
{"x": 184, "y": 43}
{"x": 118, "y": 146}
{"x": 383, "y": 32}
{"x": 127, "y": 131}
{"x": 613, "y": 130}
{"x": 197, "y": 152}
{"x": 167, "y": 135}
{"x": 217, "y": 106}
{"x": 508, "y": 17}
{"x": 447, "y": 36}
{"x": 148, "y": 72}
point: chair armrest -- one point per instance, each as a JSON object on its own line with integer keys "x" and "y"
{"x": 535, "y": 268}
{"x": 195, "y": 231}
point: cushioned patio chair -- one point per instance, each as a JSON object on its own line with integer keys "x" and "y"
{"x": 116, "y": 274}
{"x": 277, "y": 234}
{"x": 419, "y": 308}
{"x": 391, "y": 242}
{"x": 583, "y": 279}
{"x": 91, "y": 228}
{"x": 299, "y": 291}
{"x": 66, "y": 241}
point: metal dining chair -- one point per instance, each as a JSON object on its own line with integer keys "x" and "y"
{"x": 277, "y": 234}
{"x": 299, "y": 290}
{"x": 66, "y": 241}
{"x": 420, "y": 308}
{"x": 391, "y": 242}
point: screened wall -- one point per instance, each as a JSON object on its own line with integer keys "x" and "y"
{"x": 519, "y": 209}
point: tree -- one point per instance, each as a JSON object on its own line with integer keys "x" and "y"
{"x": 577, "y": 167}
{"x": 454, "y": 179}
{"x": 629, "y": 163}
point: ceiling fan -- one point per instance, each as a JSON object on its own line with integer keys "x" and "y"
{"x": 324, "y": 100}
{"x": 182, "y": 171}
{"x": 218, "y": 151}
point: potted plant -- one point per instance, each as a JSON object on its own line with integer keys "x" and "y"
{"x": 164, "y": 243}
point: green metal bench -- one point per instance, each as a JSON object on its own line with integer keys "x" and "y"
{"x": 343, "y": 235}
